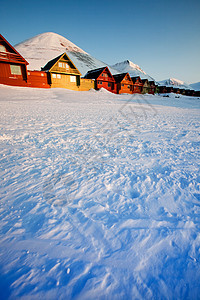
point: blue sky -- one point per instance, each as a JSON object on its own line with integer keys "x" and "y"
{"x": 162, "y": 37}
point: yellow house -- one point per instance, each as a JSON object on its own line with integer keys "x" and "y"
{"x": 62, "y": 73}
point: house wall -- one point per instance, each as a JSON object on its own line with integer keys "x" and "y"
{"x": 6, "y": 76}
{"x": 86, "y": 84}
{"x": 38, "y": 79}
{"x": 65, "y": 81}
{"x": 107, "y": 82}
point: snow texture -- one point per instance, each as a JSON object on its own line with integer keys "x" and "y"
{"x": 173, "y": 82}
{"x": 100, "y": 195}
{"x": 46, "y": 46}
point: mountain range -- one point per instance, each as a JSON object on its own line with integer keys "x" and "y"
{"x": 46, "y": 46}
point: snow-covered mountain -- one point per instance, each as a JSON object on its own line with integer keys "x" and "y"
{"x": 132, "y": 69}
{"x": 195, "y": 86}
{"x": 46, "y": 46}
{"x": 173, "y": 82}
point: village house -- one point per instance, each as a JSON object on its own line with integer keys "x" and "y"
{"x": 124, "y": 83}
{"x": 146, "y": 87}
{"x": 13, "y": 67}
{"x": 103, "y": 79}
{"x": 62, "y": 73}
{"x": 137, "y": 85}
{"x": 152, "y": 87}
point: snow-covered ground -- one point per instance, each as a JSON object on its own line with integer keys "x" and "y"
{"x": 100, "y": 195}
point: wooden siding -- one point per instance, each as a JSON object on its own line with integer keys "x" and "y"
{"x": 64, "y": 81}
{"x": 106, "y": 81}
{"x": 38, "y": 79}
{"x": 6, "y": 77}
{"x": 86, "y": 84}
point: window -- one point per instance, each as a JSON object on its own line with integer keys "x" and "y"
{"x": 67, "y": 66}
{"x": 15, "y": 70}
{"x": 128, "y": 86}
{"x": 109, "y": 84}
{"x": 73, "y": 78}
{"x": 59, "y": 76}
{"x": 99, "y": 82}
{"x": 122, "y": 84}
{"x": 53, "y": 75}
{"x": 2, "y": 48}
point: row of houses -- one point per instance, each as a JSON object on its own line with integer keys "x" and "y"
{"x": 61, "y": 72}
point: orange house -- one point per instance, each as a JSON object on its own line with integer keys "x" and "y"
{"x": 124, "y": 83}
{"x": 103, "y": 79}
{"x": 13, "y": 67}
{"x": 137, "y": 85}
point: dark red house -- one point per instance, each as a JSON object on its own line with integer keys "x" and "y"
{"x": 103, "y": 79}
{"x": 137, "y": 85}
{"x": 152, "y": 87}
{"x": 13, "y": 67}
{"x": 124, "y": 83}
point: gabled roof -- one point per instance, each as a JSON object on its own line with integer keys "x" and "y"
{"x": 145, "y": 80}
{"x": 94, "y": 74}
{"x": 119, "y": 77}
{"x": 134, "y": 79}
{"x": 51, "y": 63}
{"x": 13, "y": 50}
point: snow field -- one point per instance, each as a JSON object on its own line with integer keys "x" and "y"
{"x": 100, "y": 195}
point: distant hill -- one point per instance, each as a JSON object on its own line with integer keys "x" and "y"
{"x": 46, "y": 46}
{"x": 195, "y": 86}
{"x": 132, "y": 69}
{"x": 173, "y": 82}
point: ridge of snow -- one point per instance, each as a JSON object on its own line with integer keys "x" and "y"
{"x": 171, "y": 82}
{"x": 44, "y": 47}
{"x": 132, "y": 69}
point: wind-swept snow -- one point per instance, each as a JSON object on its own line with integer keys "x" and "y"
{"x": 100, "y": 195}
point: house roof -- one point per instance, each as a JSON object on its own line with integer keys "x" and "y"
{"x": 52, "y": 62}
{"x": 134, "y": 79}
{"x": 119, "y": 77}
{"x": 94, "y": 74}
{"x": 22, "y": 60}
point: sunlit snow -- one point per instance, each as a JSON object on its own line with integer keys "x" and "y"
{"x": 100, "y": 195}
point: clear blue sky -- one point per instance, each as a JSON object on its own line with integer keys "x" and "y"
{"x": 162, "y": 37}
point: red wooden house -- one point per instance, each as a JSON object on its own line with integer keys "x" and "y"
{"x": 137, "y": 85}
{"x": 103, "y": 79}
{"x": 152, "y": 87}
{"x": 124, "y": 83}
{"x": 13, "y": 67}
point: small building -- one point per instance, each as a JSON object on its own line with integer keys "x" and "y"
{"x": 182, "y": 91}
{"x": 169, "y": 89}
{"x": 176, "y": 90}
{"x": 124, "y": 83}
{"x": 137, "y": 85}
{"x": 161, "y": 89}
{"x": 103, "y": 79}
{"x": 146, "y": 86}
{"x": 152, "y": 87}
{"x": 62, "y": 73}
{"x": 189, "y": 92}
{"x": 13, "y": 67}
